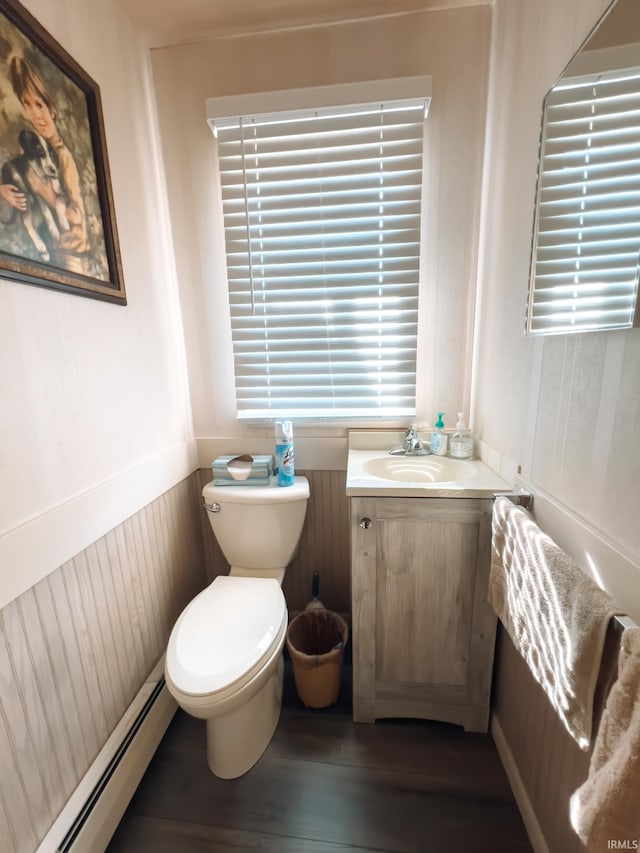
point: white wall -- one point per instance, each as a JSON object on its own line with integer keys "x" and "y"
{"x": 452, "y": 47}
{"x": 566, "y": 408}
{"x": 95, "y": 415}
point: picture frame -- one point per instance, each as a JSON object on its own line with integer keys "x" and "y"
{"x": 57, "y": 218}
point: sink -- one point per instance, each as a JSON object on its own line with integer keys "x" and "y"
{"x": 371, "y": 470}
{"x": 419, "y": 469}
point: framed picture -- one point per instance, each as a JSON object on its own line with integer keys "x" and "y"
{"x": 57, "y": 222}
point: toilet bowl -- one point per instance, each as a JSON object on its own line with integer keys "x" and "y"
{"x": 224, "y": 658}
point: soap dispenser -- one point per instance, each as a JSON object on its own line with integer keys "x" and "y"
{"x": 461, "y": 440}
{"x": 438, "y": 441}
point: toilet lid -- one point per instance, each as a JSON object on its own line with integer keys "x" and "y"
{"x": 224, "y": 633}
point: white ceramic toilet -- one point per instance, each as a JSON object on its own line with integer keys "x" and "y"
{"x": 224, "y": 659}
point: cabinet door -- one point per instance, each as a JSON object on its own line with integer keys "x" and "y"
{"x": 422, "y": 631}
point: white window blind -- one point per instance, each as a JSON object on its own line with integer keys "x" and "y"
{"x": 322, "y": 228}
{"x": 585, "y": 261}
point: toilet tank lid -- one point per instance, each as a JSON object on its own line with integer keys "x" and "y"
{"x": 273, "y": 493}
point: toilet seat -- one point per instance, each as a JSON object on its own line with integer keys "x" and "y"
{"x": 225, "y": 636}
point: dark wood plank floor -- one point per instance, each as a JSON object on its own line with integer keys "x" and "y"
{"x": 326, "y": 785}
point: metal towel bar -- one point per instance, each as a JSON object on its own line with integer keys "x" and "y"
{"x": 523, "y": 499}
{"x": 623, "y": 622}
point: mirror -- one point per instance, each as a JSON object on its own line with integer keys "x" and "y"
{"x": 586, "y": 238}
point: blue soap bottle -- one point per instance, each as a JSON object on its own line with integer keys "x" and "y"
{"x": 284, "y": 453}
{"x": 438, "y": 441}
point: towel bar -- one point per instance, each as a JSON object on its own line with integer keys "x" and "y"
{"x": 523, "y": 499}
{"x": 623, "y": 622}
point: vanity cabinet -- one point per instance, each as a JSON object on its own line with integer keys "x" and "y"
{"x": 423, "y": 631}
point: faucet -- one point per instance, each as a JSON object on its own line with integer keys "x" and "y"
{"x": 411, "y": 445}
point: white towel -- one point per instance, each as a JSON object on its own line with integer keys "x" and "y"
{"x": 606, "y": 808}
{"x": 555, "y": 614}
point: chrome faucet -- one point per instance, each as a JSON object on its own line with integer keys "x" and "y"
{"x": 411, "y": 445}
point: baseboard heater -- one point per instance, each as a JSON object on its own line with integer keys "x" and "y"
{"x": 94, "y": 810}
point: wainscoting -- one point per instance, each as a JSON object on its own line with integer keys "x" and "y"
{"x": 76, "y": 648}
{"x": 324, "y": 546}
{"x": 548, "y": 761}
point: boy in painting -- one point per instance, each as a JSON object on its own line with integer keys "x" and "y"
{"x": 71, "y": 250}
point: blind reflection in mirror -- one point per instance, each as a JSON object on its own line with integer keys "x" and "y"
{"x": 586, "y": 243}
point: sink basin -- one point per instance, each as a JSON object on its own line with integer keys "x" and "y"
{"x": 419, "y": 469}
{"x": 372, "y": 471}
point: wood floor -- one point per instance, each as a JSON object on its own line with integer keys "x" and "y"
{"x": 326, "y": 785}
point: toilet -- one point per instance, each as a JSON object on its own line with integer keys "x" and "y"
{"x": 224, "y": 660}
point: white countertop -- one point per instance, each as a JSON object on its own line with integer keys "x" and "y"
{"x": 371, "y": 470}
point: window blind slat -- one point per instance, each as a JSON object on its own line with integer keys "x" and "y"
{"x": 321, "y": 254}
{"x": 322, "y": 229}
{"x": 293, "y": 197}
{"x": 313, "y": 151}
{"x": 347, "y": 119}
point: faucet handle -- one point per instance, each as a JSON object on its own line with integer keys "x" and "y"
{"x": 412, "y": 442}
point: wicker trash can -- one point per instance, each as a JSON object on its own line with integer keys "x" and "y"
{"x": 316, "y": 640}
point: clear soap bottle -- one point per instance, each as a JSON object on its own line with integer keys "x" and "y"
{"x": 461, "y": 445}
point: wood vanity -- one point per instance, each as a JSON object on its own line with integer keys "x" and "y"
{"x": 423, "y": 631}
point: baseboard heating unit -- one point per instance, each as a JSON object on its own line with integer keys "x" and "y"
{"x": 94, "y": 810}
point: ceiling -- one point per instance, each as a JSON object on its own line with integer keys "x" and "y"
{"x": 170, "y": 22}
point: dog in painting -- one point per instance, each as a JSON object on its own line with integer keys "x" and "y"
{"x": 35, "y": 174}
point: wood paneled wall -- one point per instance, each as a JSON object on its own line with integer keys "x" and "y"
{"x": 550, "y": 763}
{"x": 324, "y": 546}
{"x": 76, "y": 648}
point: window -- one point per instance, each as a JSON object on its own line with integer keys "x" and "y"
{"x": 586, "y": 252}
{"x": 322, "y": 227}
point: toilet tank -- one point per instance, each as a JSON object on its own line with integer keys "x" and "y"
{"x": 257, "y": 527}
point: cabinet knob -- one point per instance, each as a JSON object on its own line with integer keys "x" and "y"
{"x": 365, "y": 523}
